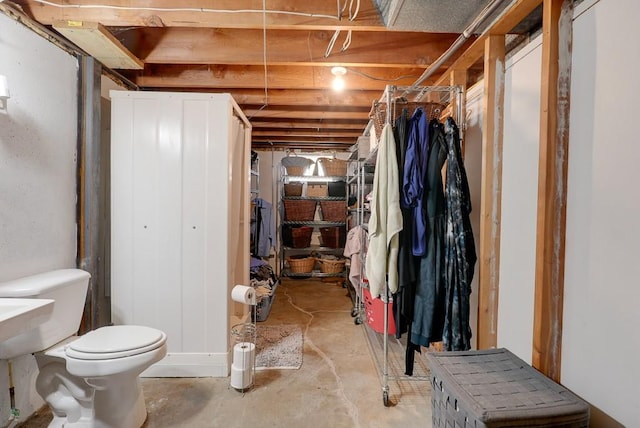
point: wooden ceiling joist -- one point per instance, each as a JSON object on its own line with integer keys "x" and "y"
{"x": 234, "y": 46}
{"x": 316, "y": 15}
{"x": 278, "y": 77}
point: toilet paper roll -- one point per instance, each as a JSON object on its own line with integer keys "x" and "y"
{"x": 241, "y": 379}
{"x": 243, "y": 294}
{"x": 244, "y": 354}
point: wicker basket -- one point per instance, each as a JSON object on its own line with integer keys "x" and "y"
{"x": 301, "y": 265}
{"x": 317, "y": 190}
{"x": 296, "y": 165}
{"x": 333, "y": 237}
{"x": 333, "y": 210}
{"x": 295, "y": 170}
{"x": 293, "y": 189}
{"x": 297, "y": 237}
{"x": 331, "y": 266}
{"x": 299, "y": 210}
{"x": 332, "y": 167}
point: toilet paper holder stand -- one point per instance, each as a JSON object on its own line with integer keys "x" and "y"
{"x": 246, "y": 332}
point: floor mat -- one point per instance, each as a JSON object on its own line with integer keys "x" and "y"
{"x": 279, "y": 347}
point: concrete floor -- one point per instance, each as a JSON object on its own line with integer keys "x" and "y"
{"x": 338, "y": 384}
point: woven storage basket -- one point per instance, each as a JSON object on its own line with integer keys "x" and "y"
{"x": 331, "y": 266}
{"x": 293, "y": 189}
{"x": 333, "y": 237}
{"x": 299, "y": 210}
{"x": 494, "y": 388}
{"x": 316, "y": 190}
{"x": 295, "y": 170}
{"x": 332, "y": 167}
{"x": 296, "y": 165}
{"x": 333, "y": 210}
{"x": 301, "y": 236}
{"x": 302, "y": 265}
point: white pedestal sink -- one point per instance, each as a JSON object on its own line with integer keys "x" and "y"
{"x": 17, "y": 316}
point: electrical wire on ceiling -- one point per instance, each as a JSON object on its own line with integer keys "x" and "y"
{"x": 352, "y": 16}
{"x": 186, "y": 9}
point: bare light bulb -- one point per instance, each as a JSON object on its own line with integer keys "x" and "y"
{"x": 338, "y": 81}
{"x": 337, "y": 84}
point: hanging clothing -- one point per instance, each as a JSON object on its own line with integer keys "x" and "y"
{"x": 264, "y": 231}
{"x": 460, "y": 248}
{"x": 403, "y": 299}
{"x": 354, "y": 249}
{"x": 428, "y": 315}
{"x": 415, "y": 169}
{"x": 385, "y": 222}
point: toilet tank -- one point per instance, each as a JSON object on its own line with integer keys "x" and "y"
{"x": 68, "y": 287}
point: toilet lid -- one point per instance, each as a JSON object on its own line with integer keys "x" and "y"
{"x": 115, "y": 342}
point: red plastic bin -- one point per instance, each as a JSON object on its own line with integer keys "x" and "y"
{"x": 373, "y": 309}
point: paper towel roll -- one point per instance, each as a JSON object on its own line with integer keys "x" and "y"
{"x": 243, "y": 294}
{"x": 241, "y": 379}
{"x": 244, "y": 354}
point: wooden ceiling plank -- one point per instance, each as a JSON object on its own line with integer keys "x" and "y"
{"x": 298, "y": 133}
{"x": 278, "y": 77}
{"x": 262, "y": 124}
{"x": 289, "y": 114}
{"x": 284, "y": 47}
{"x": 98, "y": 42}
{"x": 319, "y": 14}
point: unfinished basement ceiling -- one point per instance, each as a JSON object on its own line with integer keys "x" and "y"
{"x": 275, "y": 62}
{"x": 434, "y": 16}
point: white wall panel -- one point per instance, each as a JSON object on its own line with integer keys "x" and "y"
{"x": 185, "y": 206}
{"x": 519, "y": 200}
{"x": 473, "y": 166}
{"x": 600, "y": 344}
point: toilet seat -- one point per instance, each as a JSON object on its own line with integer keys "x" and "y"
{"x": 114, "y": 342}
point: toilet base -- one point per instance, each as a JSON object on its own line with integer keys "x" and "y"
{"x": 118, "y": 402}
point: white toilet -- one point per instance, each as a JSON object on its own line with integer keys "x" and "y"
{"x": 91, "y": 380}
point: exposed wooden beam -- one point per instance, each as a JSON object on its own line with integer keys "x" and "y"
{"x": 552, "y": 186}
{"x": 284, "y": 47}
{"x": 491, "y": 191}
{"x": 324, "y": 133}
{"x": 264, "y": 123}
{"x": 286, "y": 113}
{"x": 278, "y": 77}
{"x": 316, "y": 15}
{"x": 98, "y": 42}
{"x": 504, "y": 24}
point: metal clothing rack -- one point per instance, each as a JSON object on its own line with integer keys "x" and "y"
{"x": 438, "y": 102}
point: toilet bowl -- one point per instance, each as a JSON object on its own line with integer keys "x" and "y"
{"x": 90, "y": 380}
{"x": 93, "y": 380}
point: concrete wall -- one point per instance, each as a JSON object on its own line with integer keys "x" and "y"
{"x": 37, "y": 175}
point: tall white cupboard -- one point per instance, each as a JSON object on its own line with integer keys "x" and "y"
{"x": 180, "y": 201}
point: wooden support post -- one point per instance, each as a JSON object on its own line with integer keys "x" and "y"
{"x": 552, "y": 186}
{"x": 491, "y": 191}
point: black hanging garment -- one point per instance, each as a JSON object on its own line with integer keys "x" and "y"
{"x": 428, "y": 316}
{"x": 460, "y": 248}
{"x": 404, "y": 297}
